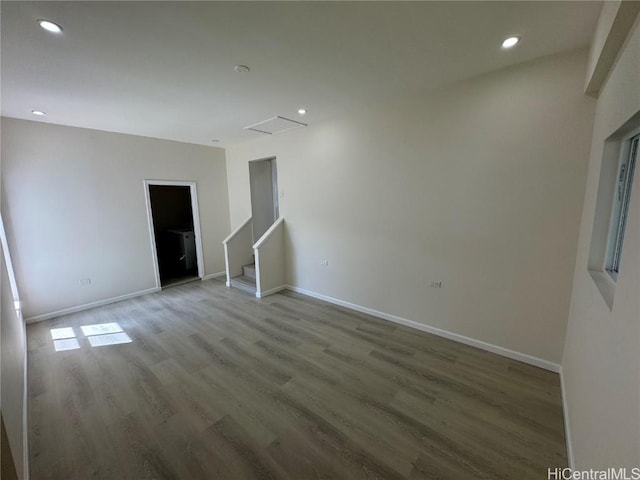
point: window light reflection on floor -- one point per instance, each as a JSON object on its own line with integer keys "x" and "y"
{"x": 101, "y": 328}
{"x": 98, "y": 335}
{"x": 64, "y": 339}
{"x": 66, "y": 344}
{"x": 58, "y": 333}
{"x": 109, "y": 339}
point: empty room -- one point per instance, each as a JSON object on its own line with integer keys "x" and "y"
{"x": 313, "y": 240}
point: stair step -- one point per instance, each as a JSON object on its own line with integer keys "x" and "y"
{"x": 249, "y": 271}
{"x": 245, "y": 283}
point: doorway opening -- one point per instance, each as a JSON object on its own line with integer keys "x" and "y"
{"x": 175, "y": 232}
{"x": 263, "y": 181}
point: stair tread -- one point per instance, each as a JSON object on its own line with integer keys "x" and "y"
{"x": 249, "y": 271}
{"x": 244, "y": 279}
{"x": 245, "y": 283}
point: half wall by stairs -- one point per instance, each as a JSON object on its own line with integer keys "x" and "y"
{"x": 257, "y": 268}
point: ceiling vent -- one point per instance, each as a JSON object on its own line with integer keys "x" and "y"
{"x": 275, "y": 125}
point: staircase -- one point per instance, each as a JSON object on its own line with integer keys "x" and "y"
{"x": 257, "y": 268}
{"x": 246, "y": 281}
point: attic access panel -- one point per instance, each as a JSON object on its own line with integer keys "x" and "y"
{"x": 275, "y": 125}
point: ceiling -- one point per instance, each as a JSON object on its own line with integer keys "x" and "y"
{"x": 166, "y": 69}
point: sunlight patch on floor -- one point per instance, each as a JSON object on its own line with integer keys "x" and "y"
{"x": 98, "y": 335}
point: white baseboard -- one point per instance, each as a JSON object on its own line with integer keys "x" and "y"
{"x": 214, "y": 275}
{"x": 567, "y": 423}
{"x": 271, "y": 291}
{"x": 87, "y": 306}
{"x": 505, "y": 352}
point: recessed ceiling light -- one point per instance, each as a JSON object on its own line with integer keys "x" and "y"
{"x": 39, "y": 113}
{"x": 302, "y": 111}
{"x": 510, "y": 42}
{"x": 241, "y": 68}
{"x": 49, "y": 26}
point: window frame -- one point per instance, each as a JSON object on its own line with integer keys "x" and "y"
{"x": 606, "y": 236}
{"x": 620, "y": 202}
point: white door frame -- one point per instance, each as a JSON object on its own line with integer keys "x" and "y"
{"x": 196, "y": 223}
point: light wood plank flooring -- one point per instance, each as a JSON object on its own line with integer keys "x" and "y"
{"x": 217, "y": 384}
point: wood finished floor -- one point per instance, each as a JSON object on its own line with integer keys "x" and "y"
{"x": 217, "y": 384}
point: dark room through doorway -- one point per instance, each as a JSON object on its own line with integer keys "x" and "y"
{"x": 173, "y": 228}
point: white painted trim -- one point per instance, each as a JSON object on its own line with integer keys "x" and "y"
{"x": 227, "y": 269}
{"x": 237, "y": 230}
{"x": 170, "y": 183}
{"x": 268, "y": 233}
{"x": 271, "y": 291}
{"x": 505, "y": 352}
{"x": 87, "y": 306}
{"x": 152, "y": 235}
{"x": 8, "y": 262}
{"x": 213, "y": 275}
{"x": 567, "y": 423}
{"x": 195, "y": 213}
{"x": 256, "y": 255}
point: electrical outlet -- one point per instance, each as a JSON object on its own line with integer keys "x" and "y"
{"x": 84, "y": 282}
{"x": 324, "y": 263}
{"x": 436, "y": 284}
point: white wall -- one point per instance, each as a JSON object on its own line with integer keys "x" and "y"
{"x": 270, "y": 260}
{"x": 478, "y": 185}
{"x": 13, "y": 356}
{"x": 13, "y": 367}
{"x": 601, "y": 363}
{"x": 75, "y": 207}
